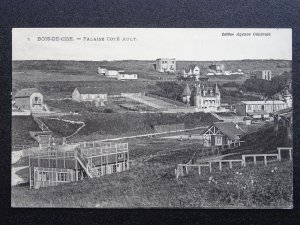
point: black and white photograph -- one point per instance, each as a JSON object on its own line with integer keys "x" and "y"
{"x": 189, "y": 118}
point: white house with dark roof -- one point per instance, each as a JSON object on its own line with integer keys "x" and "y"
{"x": 29, "y": 99}
{"x": 222, "y": 133}
{"x": 207, "y": 99}
{"x": 191, "y": 70}
{"x": 82, "y": 94}
{"x": 127, "y": 76}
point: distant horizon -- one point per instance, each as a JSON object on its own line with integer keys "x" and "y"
{"x": 177, "y": 60}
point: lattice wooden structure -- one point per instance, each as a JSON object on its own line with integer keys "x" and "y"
{"x": 56, "y": 165}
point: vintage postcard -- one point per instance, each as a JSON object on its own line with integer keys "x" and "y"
{"x": 152, "y": 117}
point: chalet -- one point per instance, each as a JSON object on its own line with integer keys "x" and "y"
{"x": 111, "y": 73}
{"x": 222, "y": 133}
{"x": 262, "y": 74}
{"x": 101, "y": 70}
{"x": 29, "y": 99}
{"x": 218, "y": 68}
{"x": 166, "y": 65}
{"x": 81, "y": 94}
{"x": 243, "y": 108}
{"x": 191, "y": 70}
{"x": 126, "y": 76}
{"x": 55, "y": 166}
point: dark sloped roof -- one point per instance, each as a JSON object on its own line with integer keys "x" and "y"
{"x": 230, "y": 129}
{"x": 94, "y": 90}
{"x": 192, "y": 66}
{"x": 26, "y": 92}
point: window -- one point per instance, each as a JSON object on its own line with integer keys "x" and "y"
{"x": 61, "y": 176}
{"x": 120, "y": 156}
{"x": 36, "y": 99}
{"x": 218, "y": 140}
{"x": 249, "y": 107}
{"x": 114, "y": 168}
{"x": 44, "y": 176}
{"x": 104, "y": 159}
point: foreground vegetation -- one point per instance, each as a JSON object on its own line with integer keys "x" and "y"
{"x": 151, "y": 182}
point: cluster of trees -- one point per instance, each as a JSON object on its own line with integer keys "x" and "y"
{"x": 167, "y": 89}
{"x": 267, "y": 88}
{"x": 263, "y": 87}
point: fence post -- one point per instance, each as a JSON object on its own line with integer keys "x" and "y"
{"x": 199, "y": 167}
{"x": 265, "y": 159}
{"x": 220, "y": 165}
{"x": 210, "y": 169}
{"x": 290, "y": 152}
{"x": 279, "y": 153}
{"x": 244, "y": 160}
{"x": 230, "y": 164}
{"x": 254, "y": 160}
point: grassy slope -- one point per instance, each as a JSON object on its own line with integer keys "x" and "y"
{"x": 126, "y": 123}
{"x": 61, "y": 77}
{"x": 152, "y": 184}
{"x": 21, "y": 125}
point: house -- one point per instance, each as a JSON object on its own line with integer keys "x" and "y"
{"x": 64, "y": 164}
{"x": 191, "y": 70}
{"x": 243, "y": 108}
{"x": 126, "y": 76}
{"x": 262, "y": 74}
{"x": 222, "y": 133}
{"x": 29, "y": 99}
{"x": 81, "y": 94}
{"x": 207, "y": 98}
{"x": 111, "y": 73}
{"x": 101, "y": 70}
{"x": 166, "y": 65}
{"x": 186, "y": 95}
{"x": 217, "y": 68}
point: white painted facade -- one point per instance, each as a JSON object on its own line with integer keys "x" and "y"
{"x": 126, "y": 76}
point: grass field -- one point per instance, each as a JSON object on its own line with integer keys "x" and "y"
{"x": 59, "y": 78}
{"x": 151, "y": 182}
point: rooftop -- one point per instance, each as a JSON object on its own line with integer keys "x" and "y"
{"x": 230, "y": 129}
{"x": 26, "y": 92}
{"x": 268, "y": 102}
{"x": 93, "y": 90}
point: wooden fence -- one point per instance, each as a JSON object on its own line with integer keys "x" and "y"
{"x": 179, "y": 171}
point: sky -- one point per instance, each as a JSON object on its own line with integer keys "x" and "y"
{"x": 191, "y": 44}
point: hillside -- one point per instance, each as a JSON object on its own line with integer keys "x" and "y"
{"x": 20, "y": 127}
{"x": 59, "y": 78}
{"x": 107, "y": 124}
{"x": 260, "y": 187}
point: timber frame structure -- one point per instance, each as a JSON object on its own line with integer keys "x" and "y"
{"x": 54, "y": 165}
{"x": 223, "y": 134}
